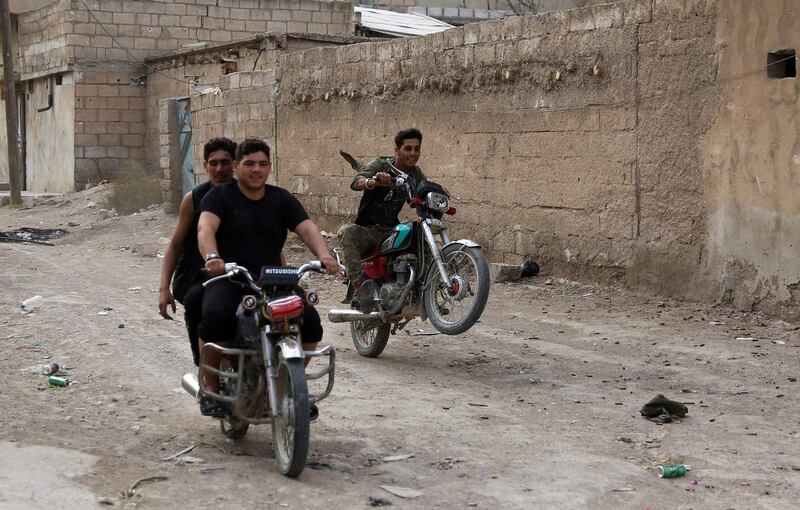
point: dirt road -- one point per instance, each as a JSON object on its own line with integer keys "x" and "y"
{"x": 535, "y": 407}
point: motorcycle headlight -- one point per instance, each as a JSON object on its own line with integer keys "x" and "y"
{"x": 437, "y": 202}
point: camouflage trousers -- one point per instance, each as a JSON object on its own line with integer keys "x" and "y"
{"x": 354, "y": 241}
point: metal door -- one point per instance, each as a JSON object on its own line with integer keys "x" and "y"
{"x": 184, "y": 112}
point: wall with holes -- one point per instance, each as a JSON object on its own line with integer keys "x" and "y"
{"x": 616, "y": 142}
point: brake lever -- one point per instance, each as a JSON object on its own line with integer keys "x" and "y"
{"x": 220, "y": 277}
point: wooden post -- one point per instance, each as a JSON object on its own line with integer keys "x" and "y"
{"x": 12, "y": 117}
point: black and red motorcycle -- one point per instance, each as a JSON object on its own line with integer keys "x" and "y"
{"x": 413, "y": 274}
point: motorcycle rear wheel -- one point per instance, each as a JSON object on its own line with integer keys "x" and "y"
{"x": 290, "y": 424}
{"x": 448, "y": 314}
{"x": 369, "y": 337}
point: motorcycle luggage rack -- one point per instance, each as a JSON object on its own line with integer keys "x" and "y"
{"x": 241, "y": 354}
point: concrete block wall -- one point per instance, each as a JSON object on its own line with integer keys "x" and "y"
{"x": 110, "y": 123}
{"x": 242, "y": 107}
{"x": 150, "y": 27}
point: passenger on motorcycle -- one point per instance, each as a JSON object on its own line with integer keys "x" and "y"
{"x": 380, "y": 202}
{"x": 247, "y": 221}
{"x": 182, "y": 258}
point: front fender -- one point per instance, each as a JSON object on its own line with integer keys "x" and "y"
{"x": 466, "y": 242}
{"x": 291, "y": 349}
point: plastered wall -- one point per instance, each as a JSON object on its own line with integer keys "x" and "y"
{"x": 751, "y": 161}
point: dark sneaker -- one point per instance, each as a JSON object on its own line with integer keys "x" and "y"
{"x": 210, "y": 407}
{"x": 313, "y": 413}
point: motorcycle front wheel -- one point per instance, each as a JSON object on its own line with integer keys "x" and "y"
{"x": 453, "y": 313}
{"x": 369, "y": 337}
{"x": 290, "y": 424}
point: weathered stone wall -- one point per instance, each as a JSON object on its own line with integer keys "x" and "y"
{"x": 639, "y": 141}
{"x": 530, "y": 122}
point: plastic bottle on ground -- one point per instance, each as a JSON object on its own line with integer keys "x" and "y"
{"x": 31, "y": 303}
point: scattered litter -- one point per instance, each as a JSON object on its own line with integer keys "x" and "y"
{"x": 662, "y": 410}
{"x": 745, "y": 339}
{"x": 91, "y": 205}
{"x": 29, "y": 304}
{"x": 50, "y": 369}
{"x": 182, "y": 452}
{"x": 779, "y": 342}
{"x": 672, "y": 470}
{"x": 163, "y": 240}
{"x": 717, "y": 323}
{"x": 529, "y": 268}
{"x": 693, "y": 482}
{"x": 132, "y": 489}
{"x": 107, "y": 501}
{"x": 476, "y": 404}
{"x": 121, "y": 326}
{"x": 54, "y": 380}
{"x": 401, "y": 492}
{"x": 394, "y": 458}
{"x": 32, "y": 235}
{"x": 422, "y": 332}
{"x": 375, "y": 501}
{"x": 102, "y": 313}
{"x": 188, "y": 459}
{"x": 319, "y": 465}
{"x": 623, "y": 489}
{"x": 134, "y": 289}
{"x": 208, "y": 470}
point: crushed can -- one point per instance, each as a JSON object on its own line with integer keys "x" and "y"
{"x": 54, "y": 380}
{"x": 672, "y": 470}
{"x": 50, "y": 369}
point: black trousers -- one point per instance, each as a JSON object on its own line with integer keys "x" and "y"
{"x": 220, "y": 301}
{"x": 192, "y": 315}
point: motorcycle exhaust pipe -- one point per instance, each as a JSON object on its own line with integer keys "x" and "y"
{"x": 190, "y": 384}
{"x": 350, "y": 315}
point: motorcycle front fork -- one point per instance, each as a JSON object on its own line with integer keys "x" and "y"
{"x": 436, "y": 252}
{"x": 272, "y": 376}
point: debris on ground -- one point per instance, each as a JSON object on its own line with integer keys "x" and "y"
{"x": 395, "y": 458}
{"x": 662, "y": 410}
{"x": 376, "y": 501}
{"x": 131, "y": 491}
{"x": 32, "y": 235}
{"x": 529, "y": 268}
{"x": 401, "y": 492}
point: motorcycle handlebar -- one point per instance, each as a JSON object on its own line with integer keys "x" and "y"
{"x": 232, "y": 269}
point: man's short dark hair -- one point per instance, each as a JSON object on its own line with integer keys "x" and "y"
{"x": 250, "y": 146}
{"x": 405, "y": 135}
{"x": 219, "y": 144}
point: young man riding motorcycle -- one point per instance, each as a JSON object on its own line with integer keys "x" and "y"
{"x": 380, "y": 203}
{"x": 182, "y": 258}
{"x": 246, "y": 221}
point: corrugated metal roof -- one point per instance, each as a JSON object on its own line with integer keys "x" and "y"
{"x": 399, "y": 24}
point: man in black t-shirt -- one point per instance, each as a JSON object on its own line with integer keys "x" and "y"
{"x": 380, "y": 202}
{"x": 246, "y": 221}
{"x": 182, "y": 258}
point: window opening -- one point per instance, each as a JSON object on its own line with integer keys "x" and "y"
{"x": 782, "y": 64}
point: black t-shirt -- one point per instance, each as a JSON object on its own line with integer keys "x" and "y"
{"x": 189, "y": 263}
{"x": 252, "y": 232}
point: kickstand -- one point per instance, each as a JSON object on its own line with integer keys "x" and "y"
{"x": 400, "y": 325}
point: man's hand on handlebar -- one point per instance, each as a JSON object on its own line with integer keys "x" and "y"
{"x": 215, "y": 267}
{"x": 331, "y": 266}
{"x": 383, "y": 179}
